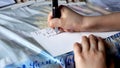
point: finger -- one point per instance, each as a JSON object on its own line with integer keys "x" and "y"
{"x": 68, "y": 30}
{"x": 61, "y": 29}
{"x": 50, "y": 16}
{"x": 93, "y": 42}
{"x": 56, "y": 22}
{"x": 101, "y": 45}
{"x": 77, "y": 49}
{"x": 85, "y": 44}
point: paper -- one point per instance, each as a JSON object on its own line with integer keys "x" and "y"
{"x": 57, "y": 44}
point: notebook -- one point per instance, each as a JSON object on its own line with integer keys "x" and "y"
{"x": 58, "y": 44}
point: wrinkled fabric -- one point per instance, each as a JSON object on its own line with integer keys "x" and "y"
{"x": 6, "y": 2}
{"x": 24, "y": 20}
{"x": 113, "y": 5}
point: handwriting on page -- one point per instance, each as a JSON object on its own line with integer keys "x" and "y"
{"x": 46, "y": 32}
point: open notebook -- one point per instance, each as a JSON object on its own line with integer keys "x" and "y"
{"x": 57, "y": 44}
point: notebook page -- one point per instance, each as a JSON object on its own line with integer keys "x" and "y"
{"x": 57, "y": 44}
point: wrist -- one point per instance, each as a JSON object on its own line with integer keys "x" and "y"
{"x": 88, "y": 23}
{"x": 92, "y": 24}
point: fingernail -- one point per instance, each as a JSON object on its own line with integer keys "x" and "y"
{"x": 76, "y": 44}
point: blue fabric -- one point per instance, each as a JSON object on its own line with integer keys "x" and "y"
{"x": 113, "y": 5}
{"x": 6, "y": 2}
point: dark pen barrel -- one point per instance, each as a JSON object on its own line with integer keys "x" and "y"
{"x": 55, "y": 9}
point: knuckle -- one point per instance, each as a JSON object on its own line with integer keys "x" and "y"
{"x": 101, "y": 54}
{"x": 93, "y": 51}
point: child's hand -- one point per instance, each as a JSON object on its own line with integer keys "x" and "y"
{"x": 69, "y": 20}
{"x": 90, "y": 53}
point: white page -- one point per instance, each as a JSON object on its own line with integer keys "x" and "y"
{"x": 57, "y": 44}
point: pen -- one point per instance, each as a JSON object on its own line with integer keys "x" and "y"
{"x": 56, "y": 11}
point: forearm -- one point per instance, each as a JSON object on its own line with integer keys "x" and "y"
{"x": 110, "y": 22}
